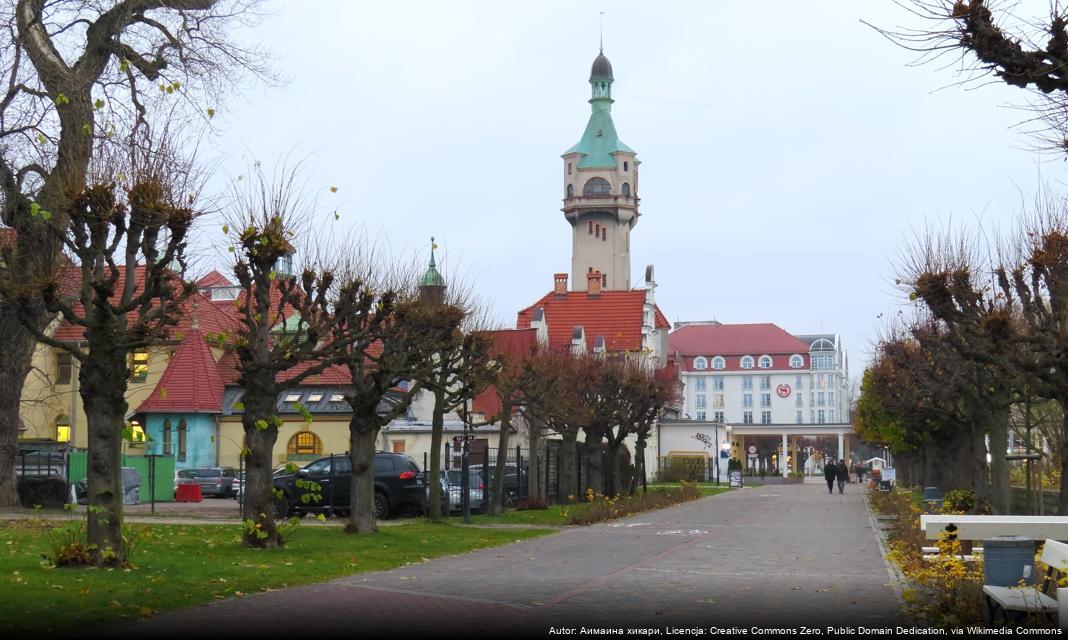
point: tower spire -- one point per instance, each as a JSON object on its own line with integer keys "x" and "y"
{"x": 602, "y": 33}
{"x": 432, "y": 284}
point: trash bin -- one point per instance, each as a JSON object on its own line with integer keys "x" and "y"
{"x": 1007, "y": 560}
{"x": 932, "y": 493}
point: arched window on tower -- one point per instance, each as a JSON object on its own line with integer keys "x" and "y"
{"x": 597, "y": 187}
{"x": 625, "y": 190}
{"x": 570, "y": 191}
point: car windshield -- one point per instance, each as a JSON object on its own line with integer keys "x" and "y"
{"x": 207, "y": 473}
{"x": 185, "y": 473}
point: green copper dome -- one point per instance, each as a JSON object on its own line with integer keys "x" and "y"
{"x": 432, "y": 278}
{"x": 599, "y": 140}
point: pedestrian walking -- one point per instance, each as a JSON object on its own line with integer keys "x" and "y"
{"x": 842, "y": 473}
{"x": 830, "y": 472}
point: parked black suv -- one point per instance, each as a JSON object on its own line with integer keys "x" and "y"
{"x": 399, "y": 487}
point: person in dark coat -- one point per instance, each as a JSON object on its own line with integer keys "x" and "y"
{"x": 842, "y": 473}
{"x": 830, "y": 472}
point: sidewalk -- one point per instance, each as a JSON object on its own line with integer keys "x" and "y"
{"x": 776, "y": 555}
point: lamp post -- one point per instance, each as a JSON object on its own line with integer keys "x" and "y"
{"x": 728, "y": 428}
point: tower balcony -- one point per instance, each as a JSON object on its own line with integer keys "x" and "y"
{"x": 611, "y": 200}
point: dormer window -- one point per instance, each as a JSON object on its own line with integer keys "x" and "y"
{"x": 765, "y": 362}
{"x": 700, "y": 363}
{"x": 719, "y": 363}
{"x": 747, "y": 362}
{"x": 796, "y": 361}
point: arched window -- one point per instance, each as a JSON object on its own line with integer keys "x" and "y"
{"x": 796, "y": 361}
{"x": 597, "y": 187}
{"x": 570, "y": 191}
{"x": 305, "y": 443}
{"x": 625, "y": 189}
{"x": 700, "y": 363}
{"x": 747, "y": 362}
{"x": 167, "y": 450}
{"x": 719, "y": 363}
{"x": 183, "y": 429}
{"x": 765, "y": 362}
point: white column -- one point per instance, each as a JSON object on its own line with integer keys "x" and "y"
{"x": 841, "y": 446}
{"x": 782, "y": 458}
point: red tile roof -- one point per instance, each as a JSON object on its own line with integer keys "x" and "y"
{"x": 191, "y": 383}
{"x": 732, "y": 341}
{"x": 517, "y": 343}
{"x": 616, "y": 315}
{"x": 214, "y": 279}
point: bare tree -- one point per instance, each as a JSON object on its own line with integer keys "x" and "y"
{"x": 80, "y": 76}
{"x": 124, "y": 291}
{"x": 284, "y": 322}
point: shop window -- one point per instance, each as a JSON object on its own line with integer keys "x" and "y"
{"x": 305, "y": 443}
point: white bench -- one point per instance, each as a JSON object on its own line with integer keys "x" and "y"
{"x": 985, "y": 527}
{"x": 1021, "y": 601}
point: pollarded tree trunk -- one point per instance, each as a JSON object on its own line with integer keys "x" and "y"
{"x": 362, "y": 435}
{"x": 1000, "y": 492}
{"x": 534, "y": 461}
{"x": 261, "y": 432}
{"x": 614, "y": 477}
{"x": 437, "y": 428}
{"x": 1062, "y": 499}
{"x": 13, "y": 374}
{"x": 103, "y": 379}
{"x": 496, "y": 503}
{"x": 593, "y": 458}
{"x": 569, "y": 463}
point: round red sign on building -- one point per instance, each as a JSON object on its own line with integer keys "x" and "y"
{"x": 783, "y": 390}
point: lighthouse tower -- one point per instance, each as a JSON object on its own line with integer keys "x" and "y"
{"x": 601, "y": 192}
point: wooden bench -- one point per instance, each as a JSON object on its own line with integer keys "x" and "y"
{"x": 970, "y": 528}
{"x": 1018, "y": 602}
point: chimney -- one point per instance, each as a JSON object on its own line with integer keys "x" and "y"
{"x": 593, "y": 284}
{"x": 560, "y": 284}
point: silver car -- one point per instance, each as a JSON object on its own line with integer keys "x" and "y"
{"x": 451, "y": 485}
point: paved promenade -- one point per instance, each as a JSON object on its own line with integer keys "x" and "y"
{"x": 777, "y": 555}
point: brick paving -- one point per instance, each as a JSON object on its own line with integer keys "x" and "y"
{"x": 776, "y": 555}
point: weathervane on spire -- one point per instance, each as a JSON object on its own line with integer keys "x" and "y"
{"x": 602, "y": 31}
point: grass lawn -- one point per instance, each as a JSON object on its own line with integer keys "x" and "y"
{"x": 182, "y": 565}
{"x": 706, "y": 488}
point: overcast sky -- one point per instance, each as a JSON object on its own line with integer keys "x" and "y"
{"x": 787, "y": 149}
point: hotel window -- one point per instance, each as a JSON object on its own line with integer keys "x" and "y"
{"x": 591, "y": 227}
{"x": 717, "y": 383}
{"x": 811, "y": 398}
{"x": 747, "y": 417}
{"x": 765, "y": 417}
{"x": 700, "y": 402}
{"x": 700, "y": 363}
{"x": 138, "y": 366}
{"x": 799, "y": 383}
{"x": 181, "y": 440}
{"x": 800, "y": 419}
{"x": 717, "y": 417}
{"x": 747, "y": 362}
{"x": 765, "y": 382}
{"x": 830, "y": 415}
{"x": 830, "y": 398}
{"x": 765, "y": 362}
{"x": 604, "y": 233}
{"x": 747, "y": 382}
{"x": 700, "y": 415}
{"x": 719, "y": 363}
{"x": 796, "y": 362}
{"x": 812, "y": 416}
{"x": 717, "y": 401}
{"x": 765, "y": 399}
{"x": 747, "y": 399}
{"x": 821, "y": 399}
{"x": 700, "y": 383}
{"x": 798, "y": 402}
{"x": 821, "y": 416}
{"x": 64, "y": 368}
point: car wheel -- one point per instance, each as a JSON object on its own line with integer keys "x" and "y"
{"x": 381, "y": 506}
{"x": 281, "y": 508}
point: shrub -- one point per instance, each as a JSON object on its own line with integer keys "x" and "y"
{"x": 599, "y": 507}
{"x": 960, "y": 501}
{"x": 69, "y": 546}
{"x": 50, "y": 492}
{"x": 678, "y": 469}
{"x": 530, "y": 504}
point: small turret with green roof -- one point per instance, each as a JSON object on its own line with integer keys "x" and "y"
{"x": 600, "y": 140}
{"x": 432, "y": 284}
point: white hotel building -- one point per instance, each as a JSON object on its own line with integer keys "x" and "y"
{"x": 744, "y": 382}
